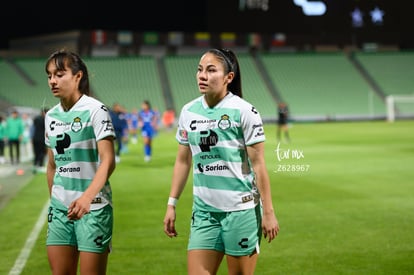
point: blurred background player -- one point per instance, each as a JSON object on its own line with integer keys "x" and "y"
{"x": 26, "y": 143}
{"x": 120, "y": 123}
{"x": 2, "y": 139}
{"x": 148, "y": 122}
{"x": 282, "y": 123}
{"x": 132, "y": 118}
{"x": 38, "y": 141}
{"x": 14, "y": 135}
{"x": 168, "y": 119}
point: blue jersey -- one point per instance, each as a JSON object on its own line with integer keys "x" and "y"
{"x": 132, "y": 119}
{"x": 119, "y": 122}
{"x": 148, "y": 121}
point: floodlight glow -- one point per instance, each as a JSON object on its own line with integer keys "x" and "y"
{"x": 313, "y": 8}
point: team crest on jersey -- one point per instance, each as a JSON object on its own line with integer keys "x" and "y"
{"x": 76, "y": 124}
{"x": 224, "y": 123}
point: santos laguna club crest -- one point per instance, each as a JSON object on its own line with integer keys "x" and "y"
{"x": 224, "y": 123}
{"x": 76, "y": 125}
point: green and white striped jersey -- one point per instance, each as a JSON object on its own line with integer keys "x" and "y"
{"x": 73, "y": 137}
{"x": 223, "y": 179}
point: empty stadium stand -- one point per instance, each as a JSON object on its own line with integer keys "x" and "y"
{"x": 323, "y": 86}
{"x": 316, "y": 86}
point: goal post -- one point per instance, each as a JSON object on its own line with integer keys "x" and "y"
{"x": 399, "y": 106}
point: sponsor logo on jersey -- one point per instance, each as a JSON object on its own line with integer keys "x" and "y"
{"x": 210, "y": 157}
{"x": 208, "y": 168}
{"x": 63, "y": 158}
{"x": 207, "y": 139}
{"x": 69, "y": 169}
{"x": 193, "y": 123}
{"x": 257, "y": 126}
{"x": 53, "y": 124}
{"x": 259, "y": 134}
{"x": 62, "y": 142}
{"x": 259, "y": 129}
{"x": 108, "y": 125}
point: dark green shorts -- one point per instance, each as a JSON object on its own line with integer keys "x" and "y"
{"x": 235, "y": 233}
{"x": 92, "y": 233}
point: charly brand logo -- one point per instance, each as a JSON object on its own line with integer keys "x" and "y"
{"x": 290, "y": 155}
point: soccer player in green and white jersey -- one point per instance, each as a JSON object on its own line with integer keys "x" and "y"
{"x": 81, "y": 158}
{"x": 221, "y": 138}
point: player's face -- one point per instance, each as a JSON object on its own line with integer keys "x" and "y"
{"x": 144, "y": 106}
{"x": 62, "y": 82}
{"x": 211, "y": 77}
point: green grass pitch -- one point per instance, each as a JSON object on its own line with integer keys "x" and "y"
{"x": 343, "y": 194}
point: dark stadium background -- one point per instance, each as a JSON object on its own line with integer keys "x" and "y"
{"x": 19, "y": 19}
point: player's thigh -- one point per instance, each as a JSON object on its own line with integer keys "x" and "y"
{"x": 63, "y": 259}
{"x": 93, "y": 263}
{"x": 241, "y": 264}
{"x": 203, "y": 261}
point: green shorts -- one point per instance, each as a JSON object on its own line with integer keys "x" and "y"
{"x": 92, "y": 233}
{"x": 235, "y": 233}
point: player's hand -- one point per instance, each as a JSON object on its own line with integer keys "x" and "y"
{"x": 270, "y": 227}
{"x": 78, "y": 208}
{"x": 169, "y": 222}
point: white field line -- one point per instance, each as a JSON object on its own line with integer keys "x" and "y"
{"x": 30, "y": 241}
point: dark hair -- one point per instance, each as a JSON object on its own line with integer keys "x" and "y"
{"x": 146, "y": 102}
{"x": 229, "y": 60}
{"x": 74, "y": 62}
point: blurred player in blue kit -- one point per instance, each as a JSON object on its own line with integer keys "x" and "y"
{"x": 148, "y": 123}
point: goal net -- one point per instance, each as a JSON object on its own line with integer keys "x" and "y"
{"x": 399, "y": 106}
